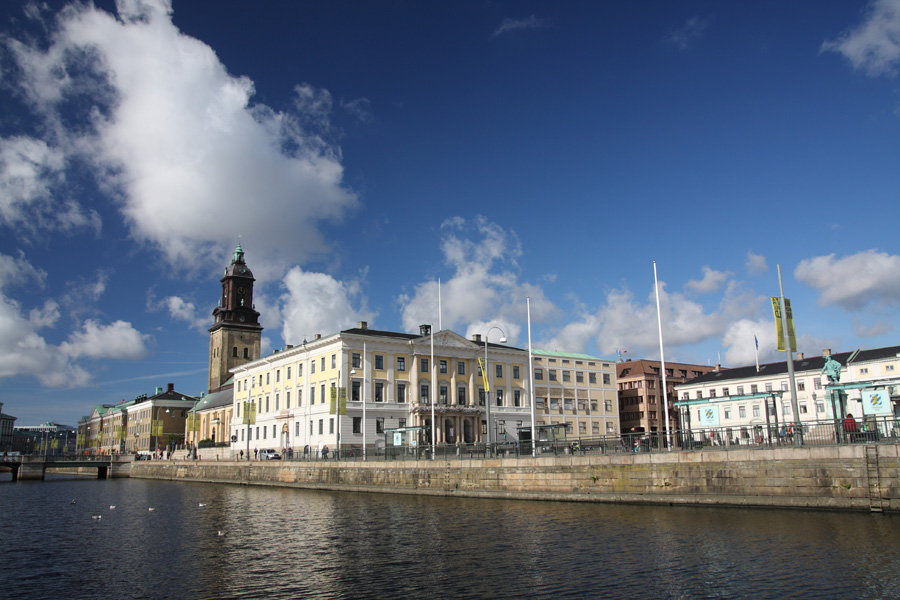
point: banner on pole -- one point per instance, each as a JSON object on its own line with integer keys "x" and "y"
{"x": 779, "y": 327}
{"x": 484, "y": 377}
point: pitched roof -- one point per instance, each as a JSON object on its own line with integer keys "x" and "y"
{"x": 814, "y": 363}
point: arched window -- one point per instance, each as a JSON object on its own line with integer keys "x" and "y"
{"x": 234, "y": 352}
{"x": 246, "y": 352}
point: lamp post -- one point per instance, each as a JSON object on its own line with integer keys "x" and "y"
{"x": 487, "y": 375}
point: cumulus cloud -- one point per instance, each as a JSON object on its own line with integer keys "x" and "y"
{"x": 483, "y": 289}
{"x": 874, "y": 44}
{"x": 317, "y": 303}
{"x": 854, "y": 281}
{"x": 756, "y": 263}
{"x": 172, "y": 138}
{"x": 712, "y": 281}
{"x": 518, "y": 24}
{"x": 25, "y": 351}
{"x": 873, "y": 330}
{"x": 184, "y": 310}
{"x": 692, "y": 30}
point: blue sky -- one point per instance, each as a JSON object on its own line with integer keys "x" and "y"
{"x": 365, "y": 150}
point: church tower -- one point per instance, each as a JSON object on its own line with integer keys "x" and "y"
{"x": 235, "y": 337}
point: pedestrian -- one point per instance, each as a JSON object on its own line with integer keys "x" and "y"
{"x": 306, "y": 452}
{"x": 256, "y": 453}
{"x": 242, "y": 455}
{"x": 325, "y": 452}
{"x": 850, "y": 427}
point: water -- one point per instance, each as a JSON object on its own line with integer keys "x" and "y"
{"x": 285, "y": 543}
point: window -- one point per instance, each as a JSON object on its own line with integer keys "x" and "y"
{"x": 517, "y": 397}
{"x": 443, "y": 394}
{"x": 288, "y": 374}
{"x": 769, "y": 386}
{"x": 498, "y": 371}
{"x": 423, "y": 365}
{"x": 801, "y": 385}
{"x": 234, "y": 352}
{"x": 461, "y": 397}
{"x": 276, "y": 401}
{"x": 699, "y": 394}
{"x": 756, "y": 410}
{"x": 802, "y": 407}
{"x": 379, "y": 391}
{"x": 786, "y": 408}
{"x": 820, "y": 407}
{"x": 246, "y": 352}
{"x": 379, "y": 425}
{"x": 552, "y": 374}
{"x": 322, "y": 393}
{"x": 357, "y": 424}
{"x": 460, "y": 367}
{"x": 312, "y": 396}
{"x": 740, "y": 390}
{"x": 267, "y": 404}
{"x": 264, "y": 432}
{"x": 712, "y": 393}
{"x": 312, "y": 366}
{"x": 607, "y": 405}
{"x": 725, "y": 392}
{"x": 401, "y": 363}
{"x": 579, "y": 377}
{"x": 480, "y": 396}
{"x": 516, "y": 372}
{"x": 754, "y": 389}
{"x": 401, "y": 392}
{"x": 742, "y": 412}
{"x": 354, "y": 391}
{"x": 356, "y": 360}
{"x": 300, "y": 370}
{"x": 267, "y": 378}
{"x": 784, "y": 386}
{"x": 401, "y": 423}
{"x": 299, "y": 396}
{"x": 334, "y": 361}
{"x": 424, "y": 396}
{"x": 864, "y": 371}
{"x": 567, "y": 376}
{"x": 442, "y": 366}
{"x": 277, "y": 375}
{"x": 331, "y": 425}
{"x": 889, "y": 368}
{"x": 297, "y": 429}
{"x": 379, "y": 362}
{"x": 817, "y": 383}
{"x": 499, "y": 396}
{"x": 539, "y": 374}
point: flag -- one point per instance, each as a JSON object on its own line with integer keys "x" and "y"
{"x": 756, "y": 341}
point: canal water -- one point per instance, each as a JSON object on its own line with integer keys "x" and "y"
{"x": 192, "y": 540}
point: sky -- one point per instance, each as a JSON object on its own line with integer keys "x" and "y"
{"x": 364, "y": 151}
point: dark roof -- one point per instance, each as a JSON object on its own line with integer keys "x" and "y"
{"x": 379, "y": 333}
{"x": 814, "y": 363}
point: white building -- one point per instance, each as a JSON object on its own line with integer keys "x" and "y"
{"x": 736, "y": 399}
{"x": 382, "y": 381}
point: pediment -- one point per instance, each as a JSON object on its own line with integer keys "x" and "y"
{"x": 447, "y": 339}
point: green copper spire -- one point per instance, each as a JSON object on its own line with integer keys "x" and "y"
{"x": 238, "y": 254}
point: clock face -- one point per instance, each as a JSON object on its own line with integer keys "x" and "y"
{"x": 241, "y": 290}
{"x": 242, "y": 318}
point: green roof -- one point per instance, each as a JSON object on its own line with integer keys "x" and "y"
{"x": 568, "y": 355}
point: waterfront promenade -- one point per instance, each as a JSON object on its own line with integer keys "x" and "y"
{"x": 856, "y": 477}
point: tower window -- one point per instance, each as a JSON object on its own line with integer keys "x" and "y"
{"x": 246, "y": 353}
{"x": 234, "y": 352}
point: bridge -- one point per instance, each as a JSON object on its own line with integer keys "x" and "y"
{"x": 35, "y": 466}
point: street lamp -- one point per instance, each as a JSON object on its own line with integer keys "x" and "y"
{"x": 487, "y": 375}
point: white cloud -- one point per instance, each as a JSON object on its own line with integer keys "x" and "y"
{"x": 740, "y": 348}
{"x": 756, "y": 263}
{"x": 518, "y": 24}
{"x": 184, "y": 310}
{"x": 483, "y": 289}
{"x": 25, "y": 351}
{"x": 692, "y": 29}
{"x": 173, "y": 138}
{"x": 711, "y": 282}
{"x": 853, "y": 281}
{"x": 874, "y": 44}
{"x": 873, "y": 330}
{"x": 117, "y": 340}
{"x": 317, "y": 303}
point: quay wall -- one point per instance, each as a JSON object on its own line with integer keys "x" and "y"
{"x": 832, "y": 477}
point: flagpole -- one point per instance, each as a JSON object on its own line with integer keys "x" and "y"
{"x": 531, "y": 382}
{"x": 662, "y": 359}
{"x": 433, "y": 387}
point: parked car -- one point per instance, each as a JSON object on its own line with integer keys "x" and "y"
{"x": 269, "y": 454}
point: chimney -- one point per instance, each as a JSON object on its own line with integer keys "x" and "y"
{"x": 158, "y": 390}
{"x": 718, "y": 368}
{"x": 799, "y": 356}
{"x": 318, "y": 336}
{"x": 170, "y": 387}
{"x": 362, "y": 325}
{"x": 289, "y": 346}
{"x": 826, "y": 352}
{"x": 424, "y": 329}
{"x": 476, "y": 337}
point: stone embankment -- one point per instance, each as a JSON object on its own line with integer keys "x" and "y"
{"x": 858, "y": 477}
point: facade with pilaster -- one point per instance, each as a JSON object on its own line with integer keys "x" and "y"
{"x": 382, "y": 380}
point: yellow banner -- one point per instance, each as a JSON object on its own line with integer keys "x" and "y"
{"x": 484, "y": 377}
{"x": 249, "y": 413}
{"x": 333, "y": 400}
{"x": 779, "y": 327}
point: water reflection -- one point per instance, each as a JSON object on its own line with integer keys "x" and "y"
{"x": 283, "y": 543}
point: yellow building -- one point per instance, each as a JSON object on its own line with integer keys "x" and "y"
{"x": 383, "y": 381}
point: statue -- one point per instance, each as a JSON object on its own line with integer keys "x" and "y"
{"x": 832, "y": 370}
